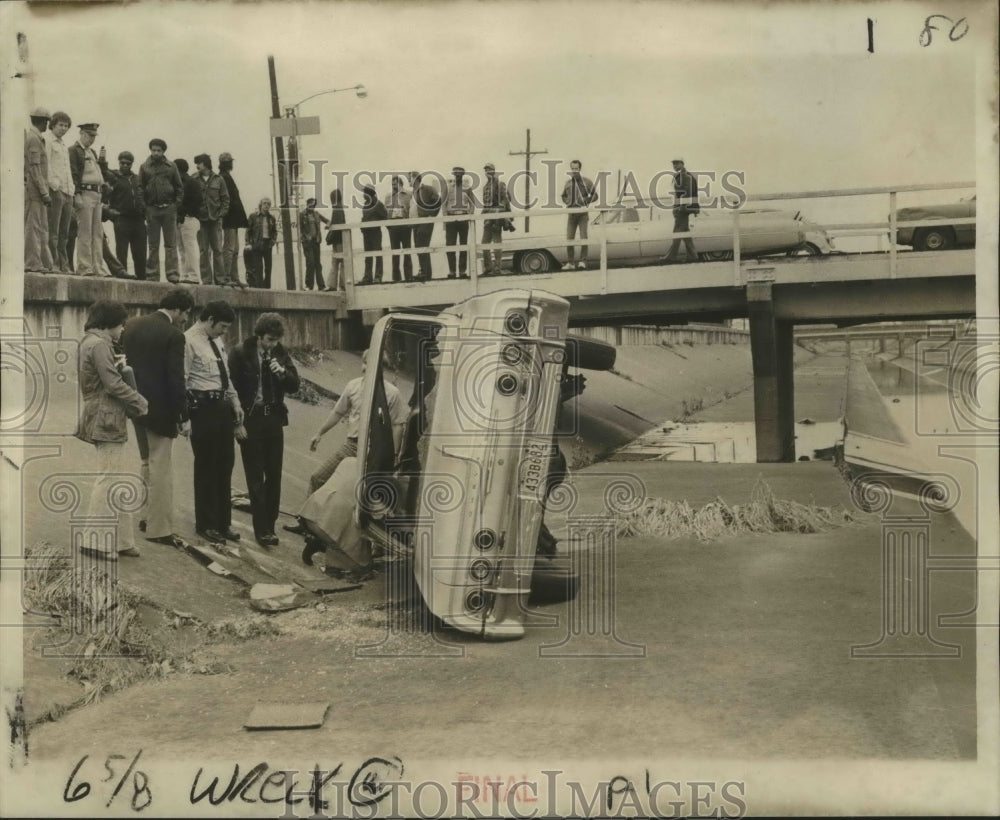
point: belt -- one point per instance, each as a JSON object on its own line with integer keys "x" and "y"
{"x": 162, "y": 205}
{"x": 208, "y": 395}
{"x": 89, "y": 186}
{"x": 265, "y": 409}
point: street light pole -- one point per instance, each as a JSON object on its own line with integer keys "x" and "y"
{"x": 286, "y": 221}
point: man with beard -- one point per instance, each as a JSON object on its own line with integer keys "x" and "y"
{"x": 162, "y": 193}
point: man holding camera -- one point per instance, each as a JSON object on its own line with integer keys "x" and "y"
{"x": 495, "y": 200}
{"x": 262, "y": 373}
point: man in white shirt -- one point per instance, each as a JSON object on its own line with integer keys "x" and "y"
{"x": 60, "y": 190}
{"x": 215, "y": 413}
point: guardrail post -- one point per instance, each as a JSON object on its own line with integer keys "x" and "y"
{"x": 473, "y": 268}
{"x": 892, "y": 234}
{"x": 736, "y": 248}
{"x": 603, "y": 234}
{"x": 348, "y": 253}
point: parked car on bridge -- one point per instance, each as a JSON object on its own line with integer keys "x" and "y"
{"x": 938, "y": 237}
{"x": 460, "y": 500}
{"x": 641, "y": 235}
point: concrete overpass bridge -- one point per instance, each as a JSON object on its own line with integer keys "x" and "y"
{"x": 776, "y": 294}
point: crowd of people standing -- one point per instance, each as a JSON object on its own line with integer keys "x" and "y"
{"x": 173, "y": 382}
{"x": 70, "y": 190}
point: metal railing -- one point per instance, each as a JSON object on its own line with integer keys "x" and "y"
{"x": 354, "y": 259}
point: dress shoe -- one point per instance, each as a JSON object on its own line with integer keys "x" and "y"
{"x": 99, "y": 554}
{"x": 170, "y": 540}
{"x": 298, "y": 529}
{"x": 212, "y": 536}
{"x": 231, "y": 535}
{"x": 131, "y": 552}
{"x": 269, "y": 540}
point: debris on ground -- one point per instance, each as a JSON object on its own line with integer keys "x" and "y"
{"x": 287, "y": 716}
{"x": 279, "y": 597}
{"x": 663, "y": 518}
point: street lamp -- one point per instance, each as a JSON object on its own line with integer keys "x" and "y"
{"x": 292, "y": 113}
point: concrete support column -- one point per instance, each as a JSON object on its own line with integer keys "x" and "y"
{"x": 771, "y": 344}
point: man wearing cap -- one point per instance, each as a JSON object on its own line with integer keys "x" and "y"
{"x": 397, "y": 206}
{"x": 214, "y": 207}
{"x": 88, "y": 182}
{"x": 37, "y": 255}
{"x": 578, "y": 192}
{"x": 162, "y": 194}
{"x": 128, "y": 213}
{"x": 235, "y": 218}
{"x": 60, "y": 190}
{"x": 495, "y": 200}
{"x": 457, "y": 200}
{"x": 685, "y": 203}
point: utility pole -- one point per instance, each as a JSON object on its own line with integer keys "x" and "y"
{"x": 286, "y": 211}
{"x": 527, "y": 153}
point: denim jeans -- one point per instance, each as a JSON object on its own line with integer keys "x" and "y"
{"x": 161, "y": 219}
{"x": 210, "y": 245}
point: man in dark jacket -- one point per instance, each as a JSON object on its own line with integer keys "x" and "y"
{"x": 262, "y": 372}
{"x": 154, "y": 347}
{"x": 426, "y": 202}
{"x": 235, "y": 218}
{"x": 372, "y": 211}
{"x": 128, "y": 212}
{"x": 162, "y": 193}
{"x": 214, "y": 207}
{"x": 685, "y": 203}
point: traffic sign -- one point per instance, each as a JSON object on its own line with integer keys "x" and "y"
{"x": 294, "y": 126}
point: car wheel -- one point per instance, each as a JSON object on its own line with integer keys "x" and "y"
{"x": 535, "y": 262}
{"x": 808, "y": 249}
{"x": 589, "y": 354}
{"x": 552, "y": 581}
{"x": 934, "y": 239}
{"x": 715, "y": 256}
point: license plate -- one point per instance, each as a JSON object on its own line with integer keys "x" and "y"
{"x": 533, "y": 468}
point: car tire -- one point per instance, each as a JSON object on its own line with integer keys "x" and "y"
{"x": 589, "y": 354}
{"x": 715, "y": 256}
{"x": 535, "y": 262}
{"x": 552, "y": 581}
{"x": 934, "y": 239}
{"x": 808, "y": 249}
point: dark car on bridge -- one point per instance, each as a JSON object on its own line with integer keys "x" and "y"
{"x": 938, "y": 237}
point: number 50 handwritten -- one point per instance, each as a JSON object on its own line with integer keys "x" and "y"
{"x": 959, "y": 28}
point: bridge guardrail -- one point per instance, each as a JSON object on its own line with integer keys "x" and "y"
{"x": 353, "y": 259}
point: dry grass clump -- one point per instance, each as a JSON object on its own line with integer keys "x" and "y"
{"x": 97, "y": 626}
{"x": 662, "y": 518}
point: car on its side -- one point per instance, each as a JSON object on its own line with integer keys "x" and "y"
{"x": 461, "y": 498}
{"x": 938, "y": 237}
{"x": 640, "y": 234}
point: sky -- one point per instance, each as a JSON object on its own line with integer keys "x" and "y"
{"x": 787, "y": 93}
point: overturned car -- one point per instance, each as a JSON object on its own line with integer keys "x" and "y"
{"x": 461, "y": 492}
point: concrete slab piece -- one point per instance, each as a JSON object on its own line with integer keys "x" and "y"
{"x": 286, "y": 716}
